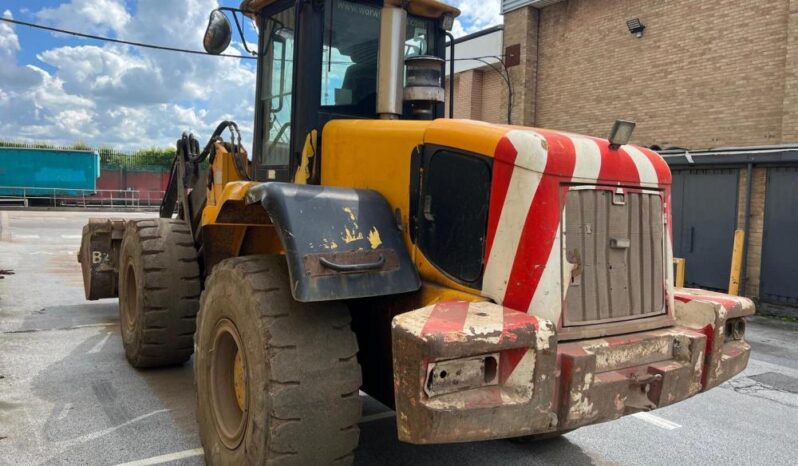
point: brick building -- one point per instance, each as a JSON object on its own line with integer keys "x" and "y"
{"x": 479, "y": 86}
{"x": 727, "y": 68}
{"x": 701, "y": 75}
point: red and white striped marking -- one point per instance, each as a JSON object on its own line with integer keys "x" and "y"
{"x": 729, "y": 302}
{"x": 525, "y": 255}
{"x": 464, "y": 320}
{"x": 485, "y": 322}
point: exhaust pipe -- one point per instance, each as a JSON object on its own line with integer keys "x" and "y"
{"x": 390, "y": 67}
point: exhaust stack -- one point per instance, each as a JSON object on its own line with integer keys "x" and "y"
{"x": 390, "y": 67}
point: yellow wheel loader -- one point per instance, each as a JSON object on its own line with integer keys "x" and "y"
{"x": 485, "y": 281}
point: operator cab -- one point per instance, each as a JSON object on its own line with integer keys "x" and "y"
{"x": 336, "y": 59}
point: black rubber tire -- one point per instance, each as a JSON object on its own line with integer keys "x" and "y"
{"x": 301, "y": 403}
{"x": 159, "y": 289}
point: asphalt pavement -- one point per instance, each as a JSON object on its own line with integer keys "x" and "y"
{"x": 67, "y": 395}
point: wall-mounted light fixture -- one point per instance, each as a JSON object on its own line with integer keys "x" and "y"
{"x": 636, "y": 27}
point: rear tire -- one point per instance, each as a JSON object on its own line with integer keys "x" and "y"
{"x": 277, "y": 380}
{"x": 159, "y": 288}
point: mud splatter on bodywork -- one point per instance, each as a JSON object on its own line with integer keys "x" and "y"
{"x": 541, "y": 385}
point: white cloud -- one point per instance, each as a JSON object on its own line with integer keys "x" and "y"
{"x": 476, "y": 15}
{"x": 78, "y": 123}
{"x": 110, "y": 74}
{"x": 94, "y": 16}
{"x": 110, "y": 94}
{"x": 33, "y": 103}
{"x": 9, "y": 42}
{"x": 12, "y": 76}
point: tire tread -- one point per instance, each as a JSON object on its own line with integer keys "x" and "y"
{"x": 313, "y": 372}
{"x": 170, "y": 287}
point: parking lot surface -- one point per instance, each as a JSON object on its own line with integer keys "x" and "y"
{"x": 67, "y": 395}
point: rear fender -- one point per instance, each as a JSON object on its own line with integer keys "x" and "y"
{"x": 340, "y": 243}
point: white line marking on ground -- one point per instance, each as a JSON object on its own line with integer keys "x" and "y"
{"x": 99, "y": 346}
{"x": 376, "y": 417}
{"x": 71, "y": 236}
{"x": 101, "y": 433}
{"x": 108, "y": 324}
{"x": 657, "y": 421}
{"x": 166, "y": 458}
{"x": 26, "y": 236}
{"x": 64, "y": 411}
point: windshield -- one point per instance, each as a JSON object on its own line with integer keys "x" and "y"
{"x": 349, "y": 58}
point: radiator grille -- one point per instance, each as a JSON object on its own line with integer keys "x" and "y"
{"x": 615, "y": 246}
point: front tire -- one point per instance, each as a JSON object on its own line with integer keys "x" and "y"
{"x": 277, "y": 380}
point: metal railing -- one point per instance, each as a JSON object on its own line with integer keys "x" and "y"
{"x": 67, "y": 197}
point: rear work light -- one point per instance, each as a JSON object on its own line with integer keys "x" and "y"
{"x": 621, "y": 133}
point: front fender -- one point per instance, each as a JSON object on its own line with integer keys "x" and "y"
{"x": 340, "y": 243}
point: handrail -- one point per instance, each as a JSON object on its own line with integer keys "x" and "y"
{"x": 132, "y": 198}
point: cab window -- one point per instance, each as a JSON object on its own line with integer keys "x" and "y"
{"x": 349, "y": 54}
{"x": 276, "y": 91}
{"x": 453, "y": 213}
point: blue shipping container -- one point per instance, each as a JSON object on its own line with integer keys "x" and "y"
{"x": 44, "y": 172}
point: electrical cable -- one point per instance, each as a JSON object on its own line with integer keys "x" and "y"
{"x": 119, "y": 41}
{"x": 165, "y": 48}
{"x": 506, "y": 77}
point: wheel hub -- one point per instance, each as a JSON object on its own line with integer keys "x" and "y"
{"x": 130, "y": 303}
{"x": 228, "y": 384}
{"x": 239, "y": 381}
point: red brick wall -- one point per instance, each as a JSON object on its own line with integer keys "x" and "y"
{"x": 479, "y": 94}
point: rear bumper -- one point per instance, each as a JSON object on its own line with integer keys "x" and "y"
{"x": 538, "y": 385}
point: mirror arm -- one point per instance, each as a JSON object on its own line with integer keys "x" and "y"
{"x": 234, "y": 12}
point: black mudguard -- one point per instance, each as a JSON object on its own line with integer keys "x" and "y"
{"x": 340, "y": 243}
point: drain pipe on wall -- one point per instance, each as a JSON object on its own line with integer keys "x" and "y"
{"x": 746, "y": 226}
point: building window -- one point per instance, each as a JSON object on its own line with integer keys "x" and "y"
{"x": 454, "y": 213}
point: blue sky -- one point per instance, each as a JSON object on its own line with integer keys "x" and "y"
{"x": 65, "y": 89}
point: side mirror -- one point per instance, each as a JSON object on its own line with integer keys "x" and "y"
{"x": 218, "y": 35}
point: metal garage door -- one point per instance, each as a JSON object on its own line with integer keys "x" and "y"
{"x": 779, "y": 252}
{"x": 704, "y": 219}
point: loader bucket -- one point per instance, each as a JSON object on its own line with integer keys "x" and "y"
{"x": 99, "y": 257}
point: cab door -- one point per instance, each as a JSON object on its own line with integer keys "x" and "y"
{"x": 274, "y": 96}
